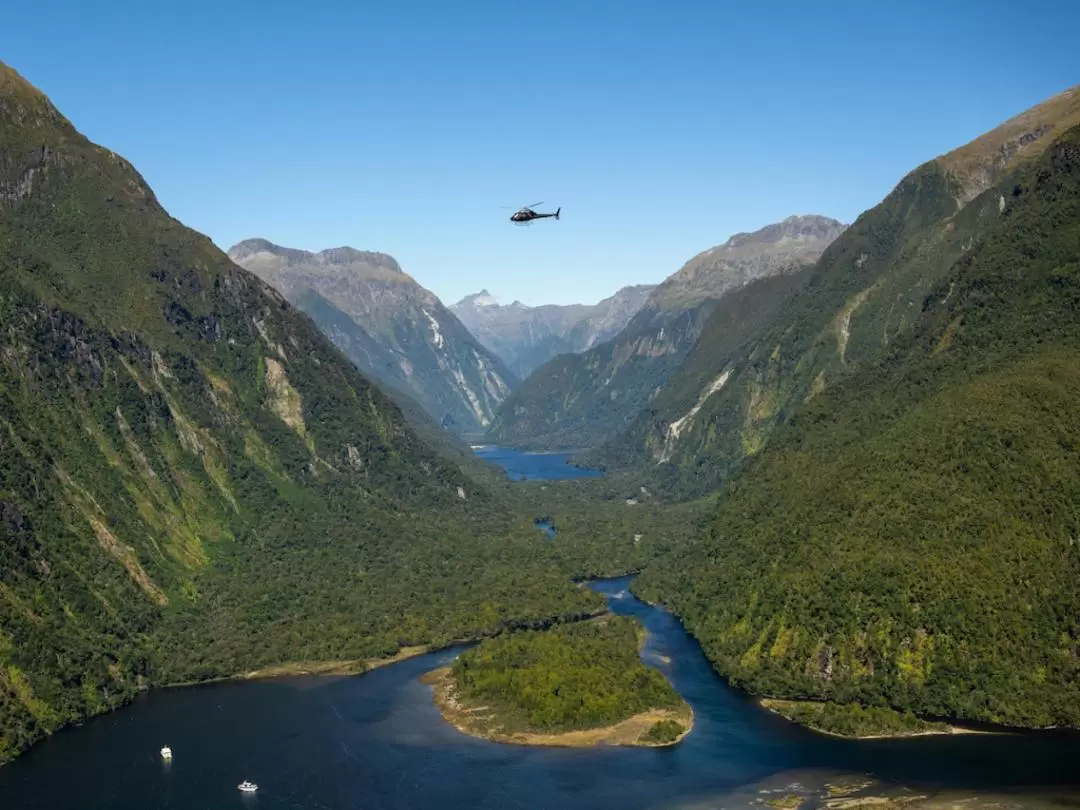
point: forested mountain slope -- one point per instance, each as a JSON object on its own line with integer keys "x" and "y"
{"x": 865, "y": 293}
{"x": 391, "y": 327}
{"x": 194, "y": 481}
{"x": 656, "y": 435}
{"x": 578, "y": 401}
{"x": 910, "y": 536}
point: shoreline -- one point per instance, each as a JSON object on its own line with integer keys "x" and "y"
{"x": 353, "y": 666}
{"x": 327, "y": 668}
{"x": 774, "y": 705}
{"x": 627, "y": 732}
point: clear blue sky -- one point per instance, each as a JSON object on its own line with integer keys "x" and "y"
{"x": 661, "y": 128}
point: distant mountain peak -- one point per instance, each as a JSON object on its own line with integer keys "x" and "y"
{"x": 526, "y": 337}
{"x": 348, "y": 259}
{"x": 348, "y": 255}
{"x": 345, "y": 260}
{"x": 798, "y": 227}
{"x": 251, "y": 247}
{"x": 480, "y": 299}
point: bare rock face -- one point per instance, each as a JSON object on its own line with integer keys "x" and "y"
{"x": 782, "y": 247}
{"x": 390, "y": 326}
{"x": 978, "y": 165}
{"x": 527, "y": 337}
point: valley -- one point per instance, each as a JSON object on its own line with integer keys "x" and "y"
{"x": 807, "y": 504}
{"x": 194, "y": 482}
{"x": 579, "y": 400}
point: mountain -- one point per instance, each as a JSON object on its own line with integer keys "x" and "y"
{"x": 671, "y": 439}
{"x": 194, "y": 481}
{"x": 782, "y": 247}
{"x": 902, "y": 531}
{"x": 394, "y": 329}
{"x": 527, "y": 337}
{"x": 864, "y": 294}
{"x": 366, "y": 353}
{"x": 578, "y": 401}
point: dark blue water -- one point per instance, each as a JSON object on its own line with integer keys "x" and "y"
{"x": 534, "y": 466}
{"x": 378, "y": 741}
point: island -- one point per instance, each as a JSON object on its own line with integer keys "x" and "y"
{"x": 576, "y": 685}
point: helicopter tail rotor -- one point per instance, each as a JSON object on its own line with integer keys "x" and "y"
{"x": 557, "y": 210}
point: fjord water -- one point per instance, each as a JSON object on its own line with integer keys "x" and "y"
{"x": 533, "y": 466}
{"x": 378, "y": 741}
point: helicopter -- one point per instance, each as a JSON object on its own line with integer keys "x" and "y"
{"x": 525, "y": 215}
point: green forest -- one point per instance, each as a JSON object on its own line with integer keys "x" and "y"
{"x": 908, "y": 538}
{"x": 853, "y": 719}
{"x": 572, "y": 677}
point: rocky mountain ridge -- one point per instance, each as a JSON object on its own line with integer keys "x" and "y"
{"x": 400, "y": 332}
{"x": 527, "y": 337}
{"x": 780, "y": 247}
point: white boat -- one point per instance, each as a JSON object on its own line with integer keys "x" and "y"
{"x": 166, "y": 752}
{"x": 248, "y": 787}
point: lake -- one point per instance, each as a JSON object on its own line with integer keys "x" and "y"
{"x": 533, "y": 466}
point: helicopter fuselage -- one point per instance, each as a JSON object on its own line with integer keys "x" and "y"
{"x": 527, "y": 215}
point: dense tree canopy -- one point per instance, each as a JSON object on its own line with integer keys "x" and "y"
{"x": 909, "y": 538}
{"x": 572, "y": 677}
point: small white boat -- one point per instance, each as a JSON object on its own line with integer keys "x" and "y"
{"x": 166, "y": 753}
{"x": 248, "y": 787}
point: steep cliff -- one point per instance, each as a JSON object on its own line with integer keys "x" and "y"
{"x": 400, "y": 333}
{"x": 902, "y": 531}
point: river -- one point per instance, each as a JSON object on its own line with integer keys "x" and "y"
{"x": 378, "y": 741}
